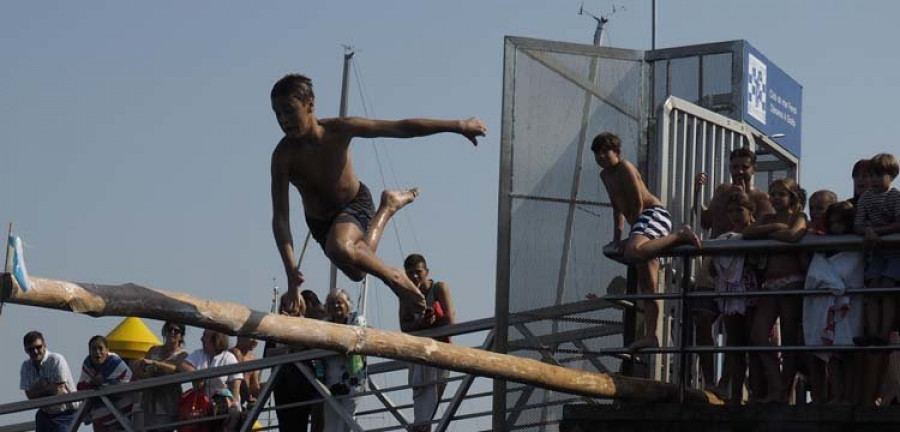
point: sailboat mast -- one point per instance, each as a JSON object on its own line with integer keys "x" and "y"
{"x": 345, "y": 93}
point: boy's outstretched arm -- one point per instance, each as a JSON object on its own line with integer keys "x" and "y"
{"x": 471, "y": 128}
{"x": 281, "y": 224}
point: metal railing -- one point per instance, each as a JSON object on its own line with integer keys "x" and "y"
{"x": 377, "y": 395}
{"x": 684, "y": 295}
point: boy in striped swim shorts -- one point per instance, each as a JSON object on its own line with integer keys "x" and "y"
{"x": 651, "y": 226}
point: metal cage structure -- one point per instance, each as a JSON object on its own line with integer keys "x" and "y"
{"x": 678, "y": 112}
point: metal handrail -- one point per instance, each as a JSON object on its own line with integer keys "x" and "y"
{"x": 374, "y": 368}
{"x": 744, "y": 247}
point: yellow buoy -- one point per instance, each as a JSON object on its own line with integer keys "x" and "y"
{"x": 131, "y": 339}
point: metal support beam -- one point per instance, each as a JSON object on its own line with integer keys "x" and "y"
{"x": 461, "y": 391}
{"x": 329, "y": 398}
{"x": 388, "y": 403}
{"x": 591, "y": 359}
{"x": 261, "y": 400}
{"x": 123, "y": 422}
{"x": 544, "y": 355}
{"x": 80, "y": 414}
{"x": 517, "y": 409}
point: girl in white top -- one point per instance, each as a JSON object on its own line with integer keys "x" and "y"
{"x": 214, "y": 354}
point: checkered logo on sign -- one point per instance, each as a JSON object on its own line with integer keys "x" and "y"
{"x": 756, "y": 89}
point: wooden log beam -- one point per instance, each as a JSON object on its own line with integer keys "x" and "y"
{"x": 235, "y": 319}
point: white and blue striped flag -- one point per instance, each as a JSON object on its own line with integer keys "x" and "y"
{"x": 18, "y": 263}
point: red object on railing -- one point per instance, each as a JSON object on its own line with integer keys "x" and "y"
{"x": 193, "y": 405}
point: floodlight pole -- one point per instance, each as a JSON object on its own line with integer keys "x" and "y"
{"x": 653, "y": 25}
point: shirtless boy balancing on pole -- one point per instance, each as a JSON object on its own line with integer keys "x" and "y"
{"x": 651, "y": 225}
{"x": 314, "y": 156}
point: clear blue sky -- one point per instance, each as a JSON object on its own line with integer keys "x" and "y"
{"x": 135, "y": 137}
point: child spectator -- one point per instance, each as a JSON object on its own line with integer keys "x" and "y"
{"x": 878, "y": 214}
{"x": 651, "y": 226}
{"x": 860, "y": 180}
{"x": 734, "y": 274}
{"x": 837, "y": 319}
{"x": 102, "y": 368}
{"x": 819, "y": 202}
{"x": 783, "y": 272}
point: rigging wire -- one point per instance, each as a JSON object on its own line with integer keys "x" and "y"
{"x": 396, "y": 182}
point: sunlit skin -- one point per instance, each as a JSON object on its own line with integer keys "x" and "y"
{"x": 629, "y": 197}
{"x": 314, "y": 157}
{"x": 173, "y": 339}
{"x": 418, "y": 274}
{"x": 289, "y": 308}
{"x": 880, "y": 310}
{"x": 99, "y": 352}
{"x": 714, "y": 218}
{"x": 742, "y": 170}
{"x": 780, "y": 199}
{"x": 419, "y": 277}
{"x": 36, "y": 351}
{"x": 787, "y": 224}
{"x": 736, "y": 325}
{"x": 739, "y": 216}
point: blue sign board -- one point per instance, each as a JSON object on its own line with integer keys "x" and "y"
{"x": 773, "y": 101}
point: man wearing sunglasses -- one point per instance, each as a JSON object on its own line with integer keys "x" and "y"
{"x": 46, "y": 374}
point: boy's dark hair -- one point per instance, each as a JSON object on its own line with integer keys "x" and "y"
{"x": 884, "y": 164}
{"x": 98, "y": 338}
{"x": 32, "y": 336}
{"x": 743, "y": 152}
{"x": 843, "y": 210}
{"x": 740, "y": 198}
{"x": 294, "y": 85}
{"x": 860, "y": 167}
{"x": 413, "y": 259}
{"x": 607, "y": 141}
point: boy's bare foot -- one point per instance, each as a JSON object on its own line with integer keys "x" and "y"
{"x": 394, "y": 200}
{"x": 646, "y": 342}
{"x": 686, "y": 235}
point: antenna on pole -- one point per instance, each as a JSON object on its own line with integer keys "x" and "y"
{"x": 601, "y": 22}
{"x": 274, "y": 296}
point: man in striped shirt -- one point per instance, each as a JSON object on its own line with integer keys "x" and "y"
{"x": 46, "y": 374}
{"x": 651, "y": 226}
